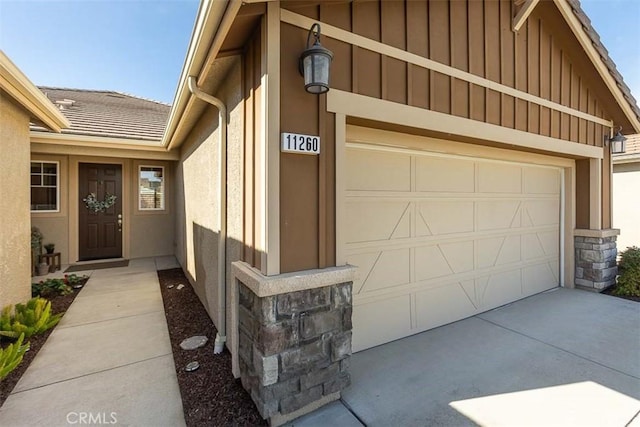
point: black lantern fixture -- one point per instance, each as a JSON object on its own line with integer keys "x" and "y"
{"x": 315, "y": 63}
{"x": 617, "y": 142}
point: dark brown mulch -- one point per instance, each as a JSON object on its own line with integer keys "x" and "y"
{"x": 59, "y": 304}
{"x": 611, "y": 289}
{"x": 210, "y": 395}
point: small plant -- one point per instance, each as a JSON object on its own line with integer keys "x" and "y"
{"x": 50, "y": 288}
{"x": 74, "y": 279}
{"x": 11, "y": 356}
{"x": 29, "y": 319}
{"x": 50, "y": 247}
{"x": 629, "y": 273}
{"x": 53, "y": 287}
{"x": 36, "y": 238}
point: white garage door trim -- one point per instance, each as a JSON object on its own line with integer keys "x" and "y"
{"x": 557, "y": 165}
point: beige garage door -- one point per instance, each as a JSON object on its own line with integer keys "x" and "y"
{"x": 438, "y": 238}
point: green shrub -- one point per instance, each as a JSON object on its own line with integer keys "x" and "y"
{"x": 52, "y": 287}
{"x": 11, "y": 356}
{"x": 29, "y": 319}
{"x": 49, "y": 288}
{"x": 629, "y": 273}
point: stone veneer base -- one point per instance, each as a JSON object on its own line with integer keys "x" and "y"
{"x": 596, "y": 259}
{"x": 293, "y": 338}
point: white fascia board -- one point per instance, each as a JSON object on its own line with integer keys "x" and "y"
{"x": 17, "y": 85}
{"x": 206, "y": 29}
{"x": 585, "y": 41}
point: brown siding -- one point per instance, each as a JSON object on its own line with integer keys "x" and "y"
{"x": 475, "y": 36}
{"x": 582, "y": 194}
{"x": 252, "y": 94}
{"x": 607, "y": 175}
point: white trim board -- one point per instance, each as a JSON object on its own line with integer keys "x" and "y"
{"x": 366, "y": 107}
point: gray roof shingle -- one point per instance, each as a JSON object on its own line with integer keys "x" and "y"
{"x": 109, "y": 114}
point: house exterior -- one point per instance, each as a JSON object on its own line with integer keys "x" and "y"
{"x": 626, "y": 182}
{"x": 112, "y": 146}
{"x": 463, "y": 164}
{"x": 20, "y": 103}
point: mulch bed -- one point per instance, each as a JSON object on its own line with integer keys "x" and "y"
{"x": 210, "y": 395}
{"x": 59, "y": 304}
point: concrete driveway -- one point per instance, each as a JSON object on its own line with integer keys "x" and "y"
{"x": 564, "y": 357}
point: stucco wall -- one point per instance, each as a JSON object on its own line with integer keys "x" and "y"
{"x": 197, "y": 197}
{"x": 15, "y": 228}
{"x": 150, "y": 233}
{"x": 626, "y": 204}
{"x": 55, "y": 225}
{"x": 197, "y": 227}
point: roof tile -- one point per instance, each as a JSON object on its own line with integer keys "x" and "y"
{"x": 109, "y": 114}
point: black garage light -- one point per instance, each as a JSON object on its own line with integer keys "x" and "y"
{"x": 617, "y": 142}
{"x": 315, "y": 63}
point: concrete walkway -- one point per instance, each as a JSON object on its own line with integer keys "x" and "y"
{"x": 109, "y": 361}
{"x": 561, "y": 358}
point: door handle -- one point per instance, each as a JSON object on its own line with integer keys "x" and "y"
{"x": 119, "y": 222}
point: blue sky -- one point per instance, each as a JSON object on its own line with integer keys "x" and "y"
{"x": 138, "y": 46}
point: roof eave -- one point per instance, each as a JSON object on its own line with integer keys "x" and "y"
{"x": 587, "y": 44}
{"x": 17, "y": 85}
{"x": 212, "y": 22}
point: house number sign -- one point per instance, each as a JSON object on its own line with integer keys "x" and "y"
{"x": 301, "y": 144}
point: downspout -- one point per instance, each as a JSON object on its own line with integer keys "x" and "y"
{"x": 221, "y": 336}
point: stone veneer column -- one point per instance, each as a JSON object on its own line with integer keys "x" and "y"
{"x": 294, "y": 338}
{"x": 596, "y": 254}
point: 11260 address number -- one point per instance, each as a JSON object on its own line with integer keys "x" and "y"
{"x": 298, "y": 143}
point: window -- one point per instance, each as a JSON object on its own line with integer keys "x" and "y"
{"x": 45, "y": 184}
{"x": 151, "y": 188}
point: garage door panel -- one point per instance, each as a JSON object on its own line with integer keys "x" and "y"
{"x": 435, "y": 174}
{"x": 499, "y": 178}
{"x": 498, "y": 251}
{"x": 444, "y": 217}
{"x": 502, "y": 288}
{"x": 543, "y": 212}
{"x": 459, "y": 255}
{"x": 391, "y": 220}
{"x": 497, "y": 214}
{"x": 511, "y": 251}
{"x": 539, "y": 180}
{"x": 467, "y": 236}
{"x": 442, "y": 305}
{"x": 538, "y": 278}
{"x": 390, "y": 268}
{"x": 381, "y": 321}
{"x": 365, "y": 262}
{"x": 488, "y": 251}
{"x": 372, "y": 170}
{"x": 430, "y": 263}
{"x": 550, "y": 242}
{"x": 532, "y": 247}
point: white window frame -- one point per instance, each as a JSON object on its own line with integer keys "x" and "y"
{"x": 57, "y": 163}
{"x": 164, "y": 187}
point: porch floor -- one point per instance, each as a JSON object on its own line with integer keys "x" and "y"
{"x": 108, "y": 361}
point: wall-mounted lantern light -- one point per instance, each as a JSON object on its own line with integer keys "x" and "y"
{"x": 617, "y": 142}
{"x": 315, "y": 63}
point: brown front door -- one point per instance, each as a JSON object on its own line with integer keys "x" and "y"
{"x": 100, "y": 232}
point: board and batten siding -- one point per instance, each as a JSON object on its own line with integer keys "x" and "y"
{"x": 570, "y": 102}
{"x": 253, "y": 94}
